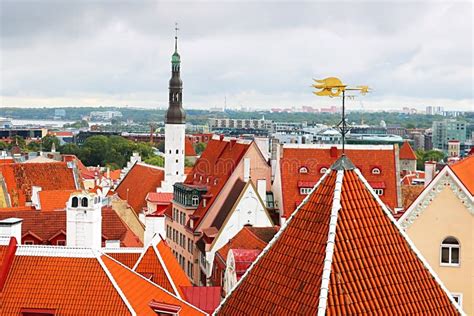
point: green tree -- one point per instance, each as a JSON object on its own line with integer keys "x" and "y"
{"x": 95, "y": 150}
{"x": 48, "y": 141}
{"x": 156, "y": 161}
{"x": 3, "y": 145}
{"x": 33, "y": 146}
{"x": 69, "y": 149}
{"x": 431, "y": 155}
{"x": 199, "y": 148}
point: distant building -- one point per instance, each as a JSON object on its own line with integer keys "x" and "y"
{"x": 5, "y": 123}
{"x": 407, "y": 158}
{"x": 104, "y": 115}
{"x": 434, "y": 110}
{"x": 59, "y": 113}
{"x": 446, "y": 130}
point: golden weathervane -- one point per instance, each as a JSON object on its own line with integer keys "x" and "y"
{"x": 333, "y": 87}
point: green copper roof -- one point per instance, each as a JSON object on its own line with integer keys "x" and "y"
{"x": 175, "y": 59}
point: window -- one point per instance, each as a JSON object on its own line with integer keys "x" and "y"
{"x": 323, "y": 170}
{"x": 450, "y": 252}
{"x": 305, "y": 191}
{"x": 75, "y": 202}
{"x": 177, "y": 151}
{"x": 195, "y": 200}
{"x": 378, "y": 191}
{"x": 376, "y": 171}
{"x": 84, "y": 202}
{"x": 60, "y": 242}
{"x": 303, "y": 170}
{"x": 29, "y": 242}
{"x": 458, "y": 298}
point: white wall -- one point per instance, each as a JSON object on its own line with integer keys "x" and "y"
{"x": 84, "y": 224}
{"x": 174, "y": 162}
{"x": 249, "y": 210}
{"x": 154, "y": 225}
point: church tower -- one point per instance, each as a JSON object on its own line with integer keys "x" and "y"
{"x": 175, "y": 125}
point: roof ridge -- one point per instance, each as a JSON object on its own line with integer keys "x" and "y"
{"x": 336, "y": 206}
{"x": 247, "y": 228}
{"x": 55, "y": 251}
{"x": 410, "y": 243}
{"x": 165, "y": 268}
{"x": 115, "y": 284}
{"x": 273, "y": 241}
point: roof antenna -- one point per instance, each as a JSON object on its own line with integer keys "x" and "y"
{"x": 333, "y": 87}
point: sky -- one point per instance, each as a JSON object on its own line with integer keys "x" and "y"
{"x": 250, "y": 54}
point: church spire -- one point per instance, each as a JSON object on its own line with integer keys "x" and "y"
{"x": 175, "y": 113}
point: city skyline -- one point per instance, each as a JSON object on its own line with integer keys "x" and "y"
{"x": 253, "y": 55}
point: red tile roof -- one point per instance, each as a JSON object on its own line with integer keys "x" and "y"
{"x": 54, "y": 199}
{"x": 126, "y": 258}
{"x": 189, "y": 148}
{"x": 140, "y": 180}
{"x": 140, "y": 292}
{"x": 159, "y": 197}
{"x": 406, "y": 152}
{"x": 315, "y": 157}
{"x": 464, "y": 170}
{"x": 46, "y": 224}
{"x": 243, "y": 258}
{"x": 369, "y": 265}
{"x": 206, "y": 298}
{"x": 158, "y": 261}
{"x": 217, "y": 163}
{"x": 20, "y": 177}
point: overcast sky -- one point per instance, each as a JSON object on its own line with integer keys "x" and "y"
{"x": 256, "y": 54}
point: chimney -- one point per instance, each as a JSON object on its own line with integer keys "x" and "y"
{"x": 11, "y": 227}
{"x": 430, "y": 171}
{"x": 246, "y": 169}
{"x": 262, "y": 190}
{"x": 232, "y": 142}
{"x": 84, "y": 221}
{"x": 35, "y": 200}
{"x": 333, "y": 152}
{"x": 154, "y": 225}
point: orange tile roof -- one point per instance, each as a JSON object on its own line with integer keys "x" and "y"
{"x": 159, "y": 197}
{"x": 409, "y": 195}
{"x": 115, "y": 174}
{"x": 140, "y": 180}
{"x": 20, "y": 177}
{"x": 189, "y": 148}
{"x": 464, "y": 170}
{"x": 70, "y": 286}
{"x": 316, "y": 158}
{"x": 126, "y": 258}
{"x": 54, "y": 199}
{"x": 369, "y": 265}
{"x": 159, "y": 262}
{"x": 46, "y": 224}
{"x": 217, "y": 163}
{"x": 140, "y": 292}
{"x": 406, "y": 152}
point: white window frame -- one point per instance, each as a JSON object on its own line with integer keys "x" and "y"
{"x": 303, "y": 170}
{"x": 305, "y": 191}
{"x": 195, "y": 200}
{"x": 459, "y": 297}
{"x": 379, "y": 192}
{"x": 450, "y": 247}
{"x": 376, "y": 170}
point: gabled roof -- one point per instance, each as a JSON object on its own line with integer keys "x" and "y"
{"x": 446, "y": 177}
{"x": 464, "y": 170}
{"x": 189, "y": 148}
{"x": 20, "y": 177}
{"x": 315, "y": 157}
{"x": 47, "y": 224}
{"x": 406, "y": 152}
{"x": 159, "y": 197}
{"x": 158, "y": 262}
{"x": 214, "y": 168}
{"x": 248, "y": 238}
{"x": 54, "y": 199}
{"x": 141, "y": 179}
{"x": 127, "y": 256}
{"x": 340, "y": 253}
{"x": 206, "y": 298}
{"x": 80, "y": 281}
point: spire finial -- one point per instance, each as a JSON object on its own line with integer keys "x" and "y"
{"x": 176, "y": 29}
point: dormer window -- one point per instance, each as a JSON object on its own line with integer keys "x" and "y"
{"x": 323, "y": 170}
{"x": 376, "y": 170}
{"x": 215, "y": 182}
{"x": 305, "y": 191}
{"x": 303, "y": 170}
{"x": 195, "y": 200}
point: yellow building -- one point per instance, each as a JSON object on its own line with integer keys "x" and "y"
{"x": 441, "y": 224}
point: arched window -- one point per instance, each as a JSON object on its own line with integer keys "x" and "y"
{"x": 323, "y": 170}
{"x": 177, "y": 151}
{"x": 195, "y": 200}
{"x": 303, "y": 170}
{"x": 376, "y": 171}
{"x": 75, "y": 202}
{"x": 450, "y": 252}
{"x": 84, "y": 202}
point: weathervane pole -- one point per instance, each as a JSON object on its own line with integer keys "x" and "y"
{"x": 343, "y": 132}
